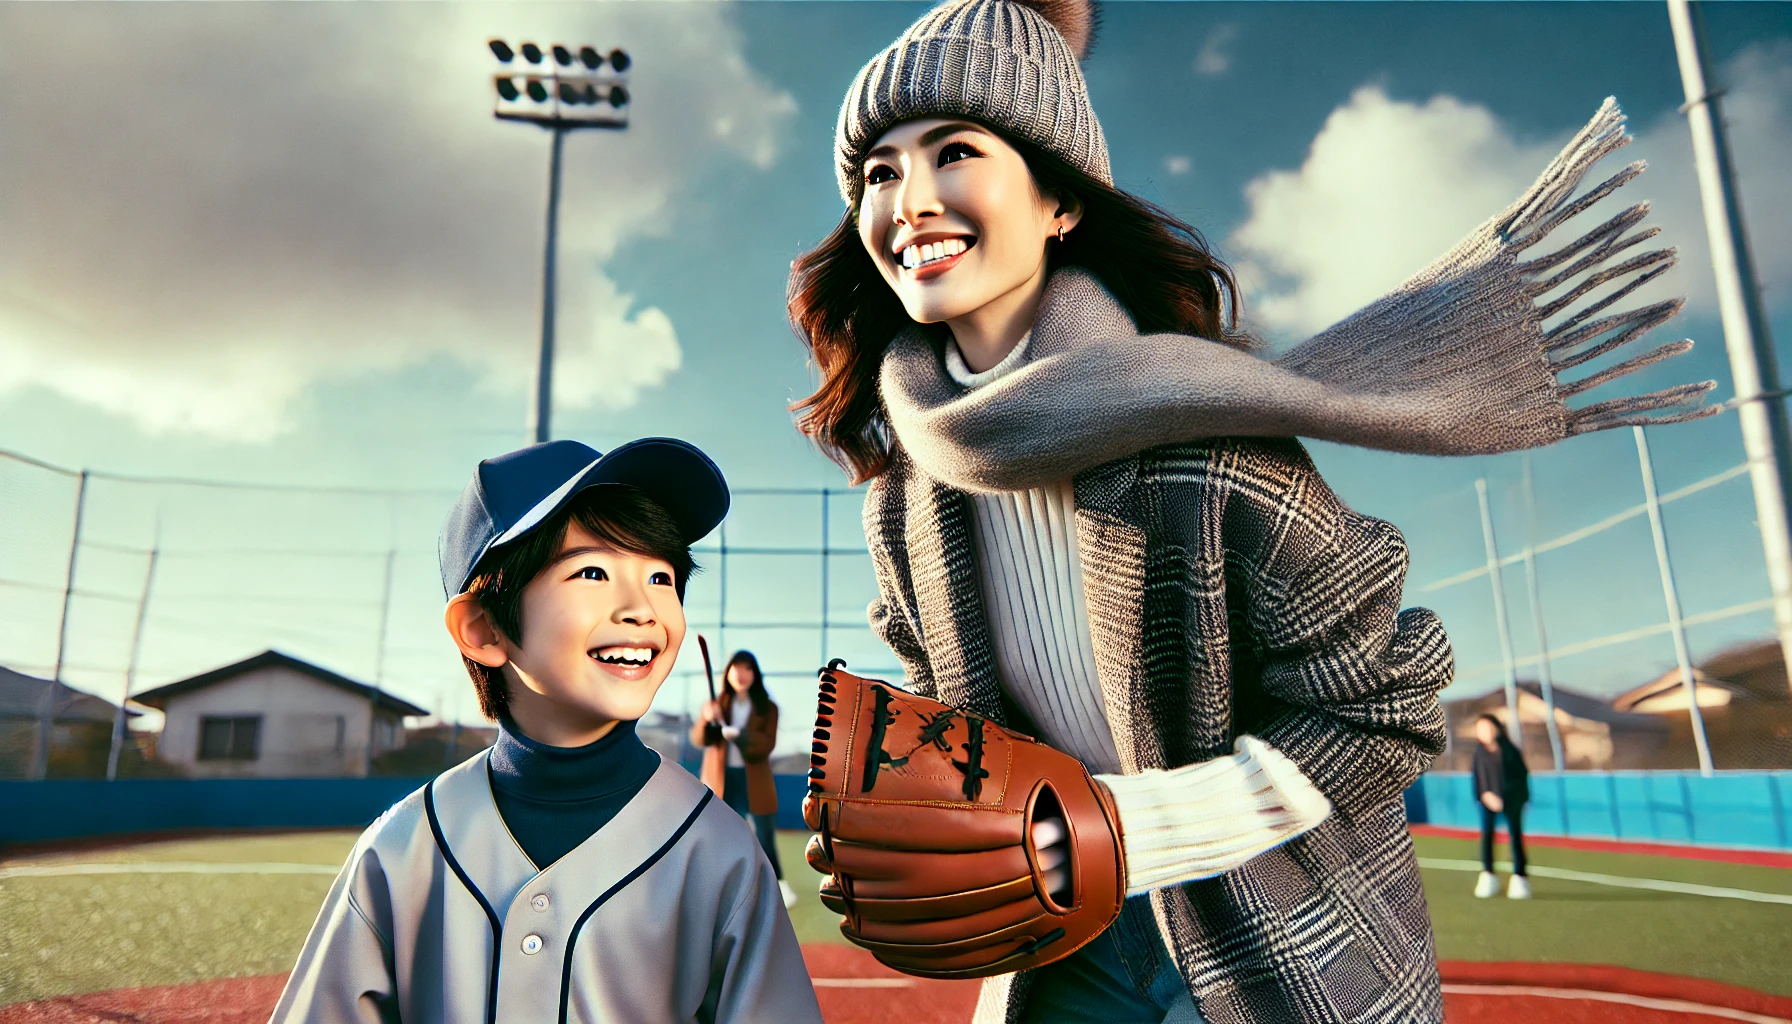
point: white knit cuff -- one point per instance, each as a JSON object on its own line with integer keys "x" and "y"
{"x": 1205, "y": 819}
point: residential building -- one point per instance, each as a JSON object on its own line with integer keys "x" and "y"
{"x": 1743, "y": 700}
{"x": 80, "y": 727}
{"x": 1595, "y": 736}
{"x": 276, "y": 716}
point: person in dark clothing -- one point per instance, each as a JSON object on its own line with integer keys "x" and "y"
{"x": 1502, "y": 786}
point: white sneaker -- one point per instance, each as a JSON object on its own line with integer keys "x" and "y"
{"x": 788, "y": 892}
{"x": 1518, "y": 889}
{"x": 1487, "y": 885}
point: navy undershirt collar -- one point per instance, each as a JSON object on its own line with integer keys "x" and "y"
{"x": 615, "y": 764}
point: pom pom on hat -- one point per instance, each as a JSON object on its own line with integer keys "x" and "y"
{"x": 1076, "y": 20}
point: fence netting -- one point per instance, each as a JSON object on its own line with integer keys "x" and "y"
{"x": 346, "y": 578}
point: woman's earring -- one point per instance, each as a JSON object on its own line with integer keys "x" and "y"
{"x": 1060, "y": 233}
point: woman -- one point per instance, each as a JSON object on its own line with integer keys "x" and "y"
{"x": 1502, "y": 786}
{"x": 1088, "y": 519}
{"x": 737, "y": 733}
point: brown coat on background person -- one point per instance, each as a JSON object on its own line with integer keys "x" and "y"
{"x": 756, "y": 742}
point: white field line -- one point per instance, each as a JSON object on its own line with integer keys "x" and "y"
{"x": 1641, "y": 1002}
{"x": 166, "y": 867}
{"x": 1618, "y": 881}
{"x": 861, "y": 982}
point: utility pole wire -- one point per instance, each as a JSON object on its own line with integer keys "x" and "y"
{"x": 130, "y": 672}
{"x": 46, "y": 714}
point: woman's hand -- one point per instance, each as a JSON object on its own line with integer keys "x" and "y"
{"x": 712, "y": 712}
{"x": 1492, "y": 802}
{"x": 1050, "y": 838}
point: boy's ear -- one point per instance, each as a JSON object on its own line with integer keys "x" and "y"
{"x": 474, "y": 632}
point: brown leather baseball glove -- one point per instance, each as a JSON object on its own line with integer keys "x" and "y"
{"x": 931, "y": 822}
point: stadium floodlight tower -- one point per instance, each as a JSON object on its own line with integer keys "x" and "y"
{"x": 560, "y": 89}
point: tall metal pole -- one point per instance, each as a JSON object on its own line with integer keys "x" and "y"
{"x": 824, "y": 577}
{"x": 1514, "y": 728}
{"x": 379, "y": 661}
{"x": 1545, "y": 681}
{"x": 1672, "y": 596}
{"x": 722, "y": 587}
{"x": 1760, "y": 408}
{"x": 543, "y": 410}
{"x": 46, "y": 713}
{"x": 130, "y": 672}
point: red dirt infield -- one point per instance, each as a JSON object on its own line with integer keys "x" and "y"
{"x": 854, "y": 989}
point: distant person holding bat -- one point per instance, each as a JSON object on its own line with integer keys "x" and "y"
{"x": 737, "y": 732}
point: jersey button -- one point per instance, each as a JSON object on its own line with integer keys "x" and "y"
{"x": 531, "y": 944}
{"x": 540, "y": 902}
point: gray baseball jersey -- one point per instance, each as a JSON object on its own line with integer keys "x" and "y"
{"x": 668, "y": 913}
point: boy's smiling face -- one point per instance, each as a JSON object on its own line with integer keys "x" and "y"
{"x": 602, "y": 627}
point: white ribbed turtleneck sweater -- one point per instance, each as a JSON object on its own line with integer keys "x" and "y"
{"x": 1192, "y": 822}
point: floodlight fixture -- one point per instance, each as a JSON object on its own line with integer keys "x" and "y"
{"x": 577, "y": 90}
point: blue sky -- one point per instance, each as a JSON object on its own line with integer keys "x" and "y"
{"x": 288, "y": 244}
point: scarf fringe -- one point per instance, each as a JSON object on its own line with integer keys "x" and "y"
{"x": 1631, "y": 412}
{"x": 1550, "y": 203}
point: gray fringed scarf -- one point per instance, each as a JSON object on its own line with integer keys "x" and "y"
{"x": 1456, "y": 361}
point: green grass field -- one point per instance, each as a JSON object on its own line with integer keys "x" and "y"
{"x": 81, "y": 933}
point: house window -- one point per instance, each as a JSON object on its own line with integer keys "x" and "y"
{"x": 234, "y": 738}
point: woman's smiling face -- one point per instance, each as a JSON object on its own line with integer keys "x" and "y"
{"x": 952, "y": 217}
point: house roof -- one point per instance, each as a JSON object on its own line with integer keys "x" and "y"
{"x": 1669, "y": 682}
{"x": 158, "y": 697}
{"x": 1756, "y": 667}
{"x": 22, "y": 696}
{"x": 1570, "y": 702}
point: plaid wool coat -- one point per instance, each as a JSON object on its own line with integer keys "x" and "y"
{"x": 1229, "y": 591}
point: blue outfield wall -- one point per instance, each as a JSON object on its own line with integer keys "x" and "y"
{"x": 1750, "y": 809}
{"x": 78, "y": 808}
{"x": 1737, "y": 808}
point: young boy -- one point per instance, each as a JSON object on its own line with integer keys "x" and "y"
{"x": 567, "y": 874}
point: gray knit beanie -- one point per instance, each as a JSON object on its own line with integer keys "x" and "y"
{"x": 1007, "y": 63}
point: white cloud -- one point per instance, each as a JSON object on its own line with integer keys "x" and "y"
{"x": 287, "y": 194}
{"x": 1388, "y": 186}
{"x": 1215, "y": 56}
{"x": 1178, "y": 164}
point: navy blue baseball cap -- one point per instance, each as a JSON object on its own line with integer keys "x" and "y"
{"x": 513, "y": 494}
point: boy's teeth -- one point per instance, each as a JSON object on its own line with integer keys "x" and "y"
{"x": 625, "y": 655}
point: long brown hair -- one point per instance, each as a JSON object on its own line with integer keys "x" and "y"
{"x": 757, "y": 693}
{"x": 1158, "y": 267}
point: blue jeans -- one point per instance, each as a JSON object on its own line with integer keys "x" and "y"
{"x": 765, "y": 826}
{"x": 1124, "y": 976}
